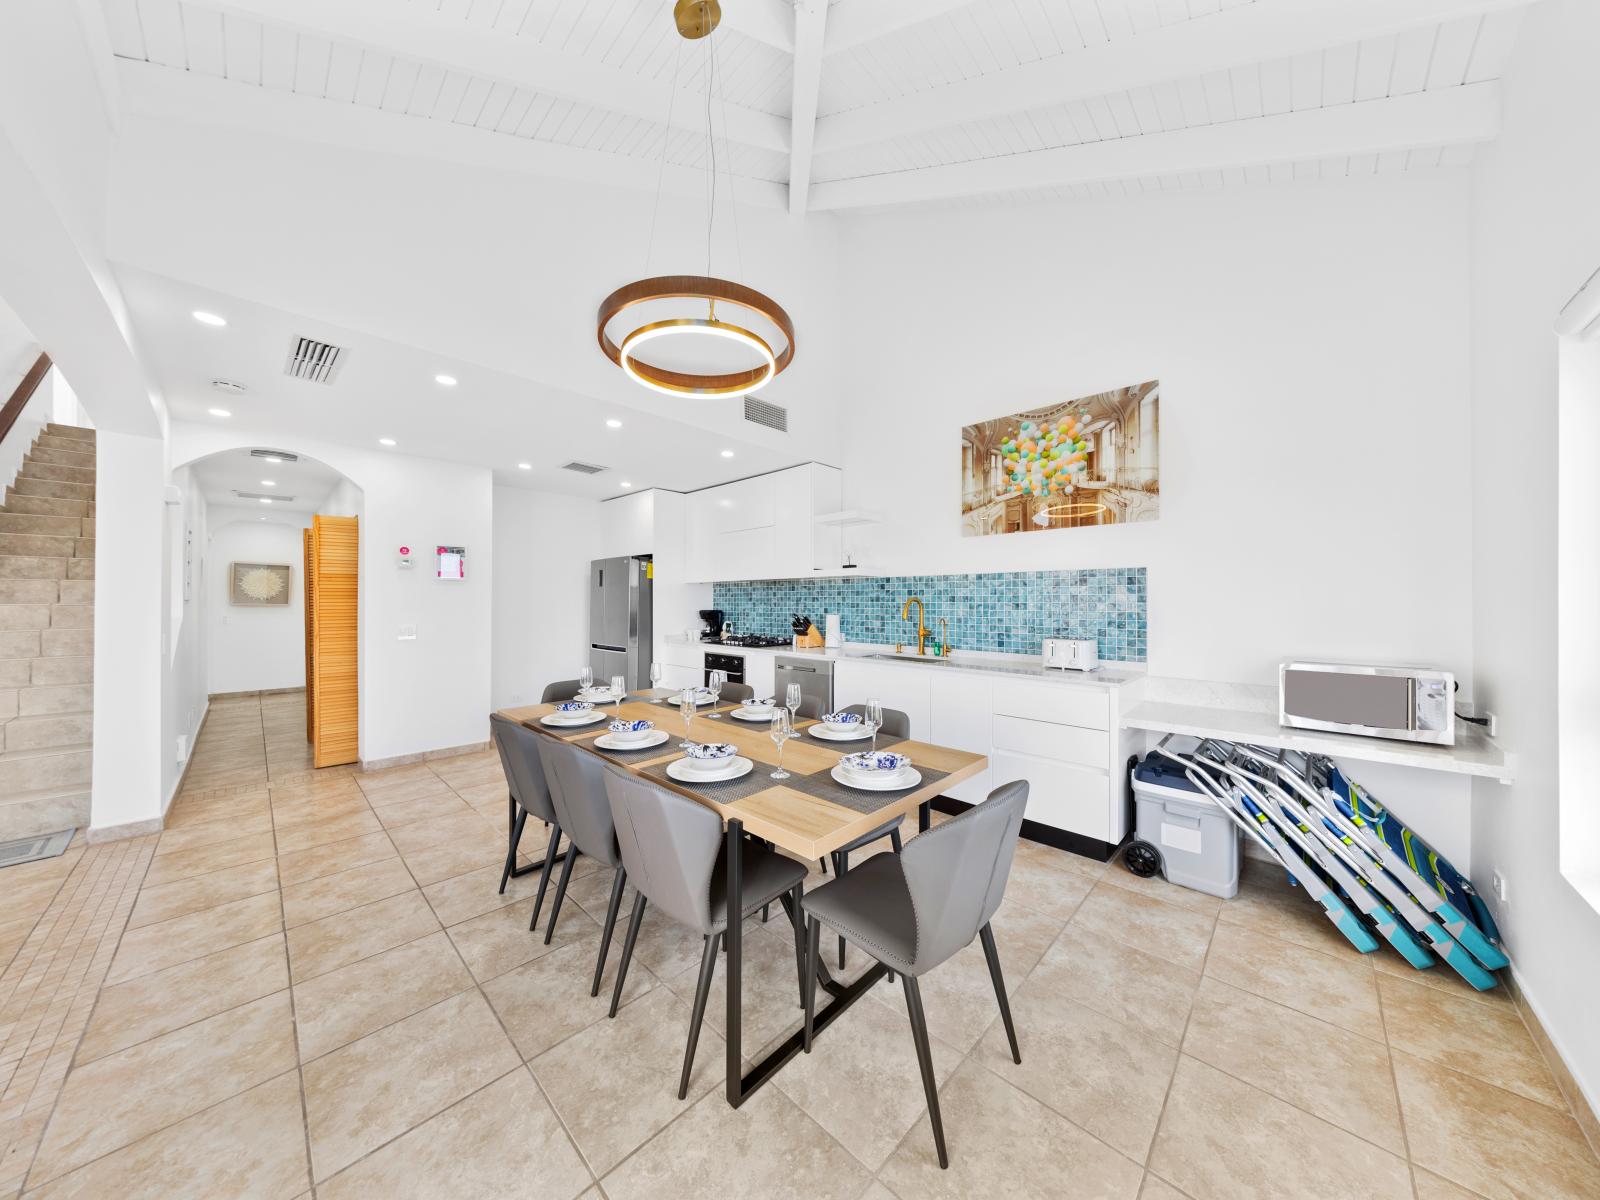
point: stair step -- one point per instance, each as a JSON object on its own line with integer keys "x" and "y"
{"x": 83, "y": 548}
{"x": 77, "y": 568}
{"x": 53, "y": 768}
{"x": 52, "y": 699}
{"x": 41, "y": 470}
{"x": 62, "y": 643}
{"x": 88, "y": 527}
{"x": 24, "y": 616}
{"x": 55, "y": 731}
{"x": 30, "y": 591}
{"x": 22, "y": 566}
{"x": 65, "y": 669}
{"x": 51, "y": 441}
{"x": 75, "y": 591}
{"x": 32, "y": 486}
{"x": 46, "y": 506}
{"x": 29, "y": 523}
{"x": 38, "y": 545}
{"x": 21, "y": 643}
{"x": 28, "y": 814}
{"x": 71, "y": 616}
{"x": 16, "y": 672}
{"x": 61, "y": 458}
{"x": 76, "y": 432}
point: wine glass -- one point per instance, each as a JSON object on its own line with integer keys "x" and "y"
{"x": 656, "y": 675}
{"x": 874, "y": 720}
{"x": 686, "y": 707}
{"x": 791, "y": 701}
{"x": 619, "y": 685}
{"x": 585, "y": 680}
{"x": 714, "y": 681}
{"x": 781, "y": 731}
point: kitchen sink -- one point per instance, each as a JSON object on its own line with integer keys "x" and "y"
{"x": 930, "y": 659}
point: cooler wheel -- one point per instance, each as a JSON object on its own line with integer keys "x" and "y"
{"x": 1143, "y": 859}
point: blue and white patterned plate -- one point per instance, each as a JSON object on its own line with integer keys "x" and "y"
{"x": 884, "y": 762}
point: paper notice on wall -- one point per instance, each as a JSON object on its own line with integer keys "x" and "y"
{"x": 452, "y": 562}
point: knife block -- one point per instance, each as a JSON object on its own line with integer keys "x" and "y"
{"x": 811, "y": 639}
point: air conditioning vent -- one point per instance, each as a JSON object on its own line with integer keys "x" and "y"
{"x": 582, "y": 468}
{"x": 773, "y": 416}
{"x": 313, "y": 360}
{"x": 275, "y": 455}
{"x": 263, "y": 496}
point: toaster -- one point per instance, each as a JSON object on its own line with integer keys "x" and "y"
{"x": 1072, "y": 654}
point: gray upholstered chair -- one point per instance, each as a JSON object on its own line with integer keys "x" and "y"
{"x": 519, "y": 756}
{"x": 737, "y": 691}
{"x": 896, "y": 724}
{"x": 675, "y": 854}
{"x": 562, "y": 689}
{"x": 578, "y": 791}
{"x": 913, "y": 910}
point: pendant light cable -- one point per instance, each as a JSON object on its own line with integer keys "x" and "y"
{"x": 733, "y": 200}
{"x": 711, "y": 143}
{"x": 661, "y": 170}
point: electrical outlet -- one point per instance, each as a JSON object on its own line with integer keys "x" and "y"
{"x": 1493, "y": 727}
{"x": 516, "y": 697}
{"x": 1497, "y": 882}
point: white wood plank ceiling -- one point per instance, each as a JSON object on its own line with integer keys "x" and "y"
{"x": 842, "y": 104}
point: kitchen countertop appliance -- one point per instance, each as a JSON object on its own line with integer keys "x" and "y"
{"x": 1408, "y": 704}
{"x": 711, "y": 624}
{"x": 815, "y": 677}
{"x": 620, "y": 634}
{"x": 1072, "y": 654}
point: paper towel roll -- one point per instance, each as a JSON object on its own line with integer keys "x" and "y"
{"x": 831, "y": 637}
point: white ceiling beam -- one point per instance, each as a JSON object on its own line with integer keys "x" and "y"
{"x": 1261, "y": 32}
{"x": 810, "y": 25}
{"x": 764, "y": 20}
{"x": 417, "y": 32}
{"x": 1450, "y": 116}
{"x": 869, "y": 20}
{"x": 165, "y": 94}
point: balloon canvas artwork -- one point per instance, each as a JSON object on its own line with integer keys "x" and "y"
{"x": 1094, "y": 460}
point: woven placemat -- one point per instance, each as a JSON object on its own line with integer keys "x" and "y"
{"x": 820, "y": 784}
{"x": 627, "y": 757}
{"x": 729, "y": 791}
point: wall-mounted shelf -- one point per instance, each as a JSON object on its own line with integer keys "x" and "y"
{"x": 849, "y": 517}
{"x": 1473, "y": 754}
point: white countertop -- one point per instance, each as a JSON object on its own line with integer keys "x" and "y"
{"x": 1110, "y": 676}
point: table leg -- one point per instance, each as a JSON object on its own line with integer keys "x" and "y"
{"x": 924, "y": 816}
{"x": 733, "y": 944}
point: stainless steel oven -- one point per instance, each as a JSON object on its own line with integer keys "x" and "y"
{"x": 733, "y": 664}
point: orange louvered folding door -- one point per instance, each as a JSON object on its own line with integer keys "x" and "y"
{"x": 332, "y": 689}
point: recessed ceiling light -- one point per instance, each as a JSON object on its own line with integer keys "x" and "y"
{"x": 613, "y": 423}
{"x": 266, "y": 499}
{"x": 625, "y": 484}
{"x": 385, "y": 441}
{"x": 219, "y": 412}
{"x": 727, "y": 454}
{"x": 446, "y": 380}
{"x": 206, "y": 318}
{"x": 524, "y": 466}
{"x": 272, "y": 460}
{"x": 269, "y": 483}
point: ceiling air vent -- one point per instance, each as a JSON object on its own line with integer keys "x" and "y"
{"x": 582, "y": 468}
{"x": 773, "y": 416}
{"x": 313, "y": 360}
{"x": 275, "y": 455}
{"x": 263, "y": 496}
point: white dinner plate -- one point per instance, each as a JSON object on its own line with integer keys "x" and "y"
{"x": 562, "y": 721}
{"x": 752, "y": 714}
{"x": 829, "y": 735}
{"x": 598, "y": 695}
{"x": 904, "y": 778}
{"x": 681, "y": 770}
{"x": 700, "y": 701}
{"x": 608, "y": 741}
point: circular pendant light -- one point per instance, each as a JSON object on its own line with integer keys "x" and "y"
{"x": 629, "y": 347}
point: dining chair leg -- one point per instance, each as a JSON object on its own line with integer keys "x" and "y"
{"x": 841, "y": 864}
{"x": 618, "y": 882}
{"x": 793, "y": 902}
{"x": 930, "y": 1086}
{"x": 635, "y": 919}
{"x": 764, "y": 910}
{"x": 813, "y": 938}
{"x": 511, "y": 852}
{"x": 561, "y": 890}
{"x": 544, "y": 875}
{"x": 993, "y": 955}
{"x": 894, "y": 838}
{"x": 823, "y": 863}
{"x": 702, "y": 989}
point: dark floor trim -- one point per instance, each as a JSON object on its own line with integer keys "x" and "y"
{"x": 1045, "y": 835}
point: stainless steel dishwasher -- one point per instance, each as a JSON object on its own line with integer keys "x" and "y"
{"x": 815, "y": 677}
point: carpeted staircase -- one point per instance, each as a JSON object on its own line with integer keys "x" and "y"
{"x": 47, "y": 636}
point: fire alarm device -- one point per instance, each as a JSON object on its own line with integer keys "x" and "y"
{"x": 405, "y": 556}
{"x": 452, "y": 562}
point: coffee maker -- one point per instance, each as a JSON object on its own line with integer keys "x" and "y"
{"x": 711, "y": 621}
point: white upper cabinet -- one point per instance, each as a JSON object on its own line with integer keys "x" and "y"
{"x": 764, "y": 527}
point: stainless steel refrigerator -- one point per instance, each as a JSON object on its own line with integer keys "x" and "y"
{"x": 620, "y": 636}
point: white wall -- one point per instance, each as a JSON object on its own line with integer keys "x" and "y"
{"x": 184, "y": 694}
{"x": 1535, "y": 241}
{"x": 543, "y": 544}
{"x": 432, "y": 692}
{"x": 1311, "y": 344}
{"x": 255, "y": 649}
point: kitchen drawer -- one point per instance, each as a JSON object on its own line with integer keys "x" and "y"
{"x": 1066, "y": 743}
{"x": 1059, "y": 703}
{"x": 1076, "y": 799}
{"x": 674, "y": 655}
{"x": 974, "y": 790}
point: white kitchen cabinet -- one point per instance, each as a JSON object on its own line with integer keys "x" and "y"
{"x": 962, "y": 709}
{"x": 758, "y": 673}
{"x": 1059, "y": 794}
{"x": 763, "y": 527}
{"x": 910, "y": 691}
{"x": 802, "y": 546}
{"x": 682, "y": 677}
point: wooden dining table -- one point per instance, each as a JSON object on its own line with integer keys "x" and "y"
{"x": 809, "y": 815}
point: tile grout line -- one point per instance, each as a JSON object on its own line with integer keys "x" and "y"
{"x": 1394, "y": 1087}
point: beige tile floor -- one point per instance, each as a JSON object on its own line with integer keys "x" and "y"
{"x": 307, "y": 985}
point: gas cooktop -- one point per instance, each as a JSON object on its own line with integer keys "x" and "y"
{"x": 754, "y": 641}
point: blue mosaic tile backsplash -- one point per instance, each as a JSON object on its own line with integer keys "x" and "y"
{"x": 1009, "y": 612}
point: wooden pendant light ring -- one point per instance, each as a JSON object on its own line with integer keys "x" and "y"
{"x": 696, "y": 287}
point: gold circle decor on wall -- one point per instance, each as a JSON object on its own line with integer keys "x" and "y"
{"x": 627, "y": 353}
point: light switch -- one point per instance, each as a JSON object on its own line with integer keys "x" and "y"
{"x": 408, "y": 633}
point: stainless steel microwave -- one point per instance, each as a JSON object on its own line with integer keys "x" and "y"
{"x": 1409, "y": 704}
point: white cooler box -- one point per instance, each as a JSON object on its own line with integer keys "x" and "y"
{"x": 1196, "y": 843}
